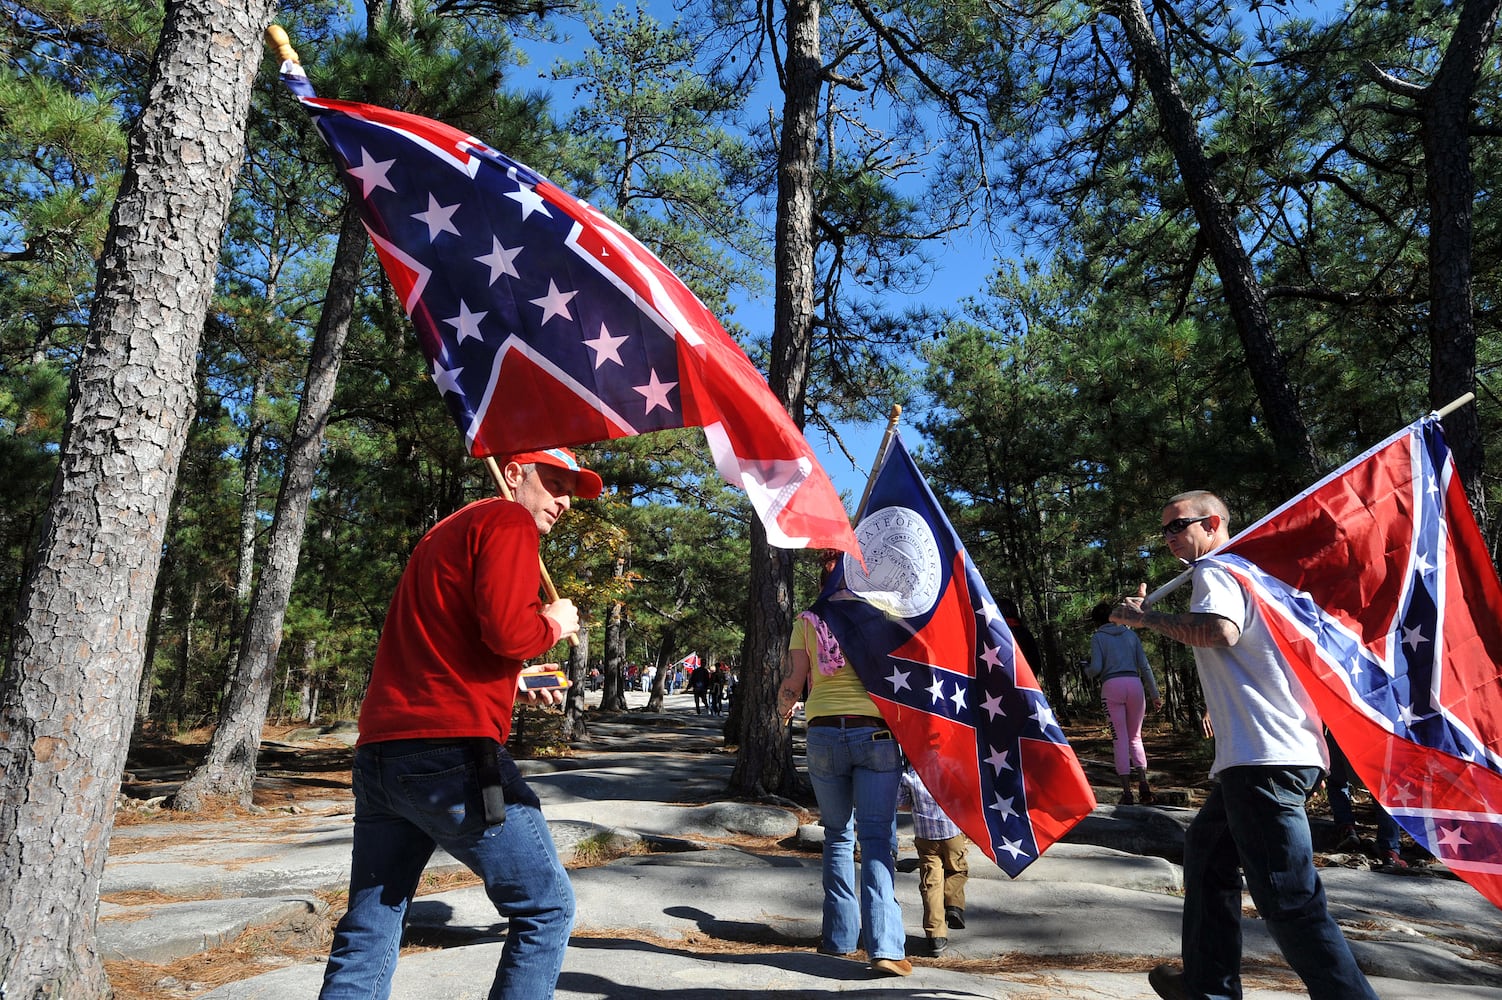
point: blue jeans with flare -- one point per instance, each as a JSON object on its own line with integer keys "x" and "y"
{"x": 856, "y": 774}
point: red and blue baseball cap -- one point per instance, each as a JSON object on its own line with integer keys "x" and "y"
{"x": 587, "y": 484}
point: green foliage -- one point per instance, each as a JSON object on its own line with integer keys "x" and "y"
{"x": 1056, "y": 410}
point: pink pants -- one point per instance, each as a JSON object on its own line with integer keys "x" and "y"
{"x": 1126, "y": 704}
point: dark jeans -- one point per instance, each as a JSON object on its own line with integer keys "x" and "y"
{"x": 411, "y": 795}
{"x": 1254, "y": 822}
{"x": 1338, "y": 788}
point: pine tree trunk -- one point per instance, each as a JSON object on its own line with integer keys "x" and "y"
{"x": 1238, "y": 278}
{"x": 574, "y": 725}
{"x": 765, "y": 761}
{"x": 1450, "y": 185}
{"x": 613, "y": 683}
{"x": 69, "y": 690}
{"x": 660, "y": 678}
{"x": 229, "y": 772}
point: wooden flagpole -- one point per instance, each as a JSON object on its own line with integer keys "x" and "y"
{"x": 881, "y": 453}
{"x": 1183, "y": 577}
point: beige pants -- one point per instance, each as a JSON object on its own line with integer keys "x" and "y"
{"x": 942, "y": 873}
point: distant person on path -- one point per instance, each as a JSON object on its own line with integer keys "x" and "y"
{"x": 943, "y": 868}
{"x": 1338, "y": 790}
{"x": 1127, "y": 686}
{"x": 698, "y": 683}
{"x": 856, "y": 768}
{"x": 1269, "y": 754}
{"x": 431, "y": 768}
{"x": 717, "y": 681}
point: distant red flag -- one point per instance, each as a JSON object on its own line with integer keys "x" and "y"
{"x": 1378, "y": 588}
{"x": 547, "y": 324}
{"x": 936, "y": 655}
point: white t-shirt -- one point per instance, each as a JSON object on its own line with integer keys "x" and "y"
{"x": 1260, "y": 711}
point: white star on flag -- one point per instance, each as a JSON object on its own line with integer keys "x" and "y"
{"x": 467, "y": 323}
{"x": 447, "y": 379}
{"x": 372, "y": 173}
{"x": 1013, "y": 847}
{"x": 500, "y": 261}
{"x": 656, "y": 393}
{"x": 555, "y": 303}
{"x": 530, "y": 201}
{"x": 1044, "y": 716}
{"x": 438, "y": 218}
{"x": 606, "y": 347}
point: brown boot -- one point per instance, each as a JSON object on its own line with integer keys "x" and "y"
{"x": 1144, "y": 790}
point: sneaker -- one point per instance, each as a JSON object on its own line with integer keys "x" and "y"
{"x": 1168, "y": 982}
{"x": 937, "y": 946}
{"x": 954, "y": 916}
{"x": 893, "y": 966}
{"x": 1346, "y": 838}
{"x": 1393, "y": 860}
{"x": 1126, "y": 799}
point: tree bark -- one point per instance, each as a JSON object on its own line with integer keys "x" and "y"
{"x": 660, "y": 677}
{"x": 69, "y": 690}
{"x": 765, "y": 761}
{"x": 229, "y": 771}
{"x": 1238, "y": 278}
{"x": 1447, "y": 108}
{"x": 575, "y": 727}
{"x": 250, "y": 511}
{"x": 613, "y": 681}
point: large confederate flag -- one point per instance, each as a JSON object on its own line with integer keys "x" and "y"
{"x": 1378, "y": 588}
{"x": 545, "y": 323}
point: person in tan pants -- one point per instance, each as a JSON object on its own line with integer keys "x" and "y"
{"x": 943, "y": 868}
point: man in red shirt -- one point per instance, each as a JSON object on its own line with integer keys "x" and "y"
{"x": 431, "y": 768}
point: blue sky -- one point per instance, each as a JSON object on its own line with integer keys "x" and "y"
{"x": 962, "y": 268}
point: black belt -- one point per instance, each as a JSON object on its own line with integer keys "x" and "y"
{"x": 849, "y": 721}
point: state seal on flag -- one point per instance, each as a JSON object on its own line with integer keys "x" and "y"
{"x": 904, "y": 573}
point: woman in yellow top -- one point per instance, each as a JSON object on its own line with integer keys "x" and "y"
{"x": 856, "y": 769}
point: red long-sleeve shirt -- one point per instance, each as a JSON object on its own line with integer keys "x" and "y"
{"x": 466, "y": 613}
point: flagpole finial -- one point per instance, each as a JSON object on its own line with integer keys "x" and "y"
{"x": 276, "y": 37}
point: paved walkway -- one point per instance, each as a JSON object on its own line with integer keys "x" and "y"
{"x": 686, "y": 914}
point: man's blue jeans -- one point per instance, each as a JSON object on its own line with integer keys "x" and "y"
{"x": 855, "y": 776}
{"x": 411, "y": 795}
{"x": 1254, "y": 822}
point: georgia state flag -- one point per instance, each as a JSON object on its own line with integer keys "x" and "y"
{"x": 936, "y": 655}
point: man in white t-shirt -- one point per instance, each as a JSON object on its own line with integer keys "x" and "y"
{"x": 1269, "y": 753}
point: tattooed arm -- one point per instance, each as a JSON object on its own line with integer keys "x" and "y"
{"x": 1195, "y": 628}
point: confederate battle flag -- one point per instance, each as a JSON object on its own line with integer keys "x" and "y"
{"x": 1378, "y": 588}
{"x": 935, "y": 654}
{"x": 544, "y": 323}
